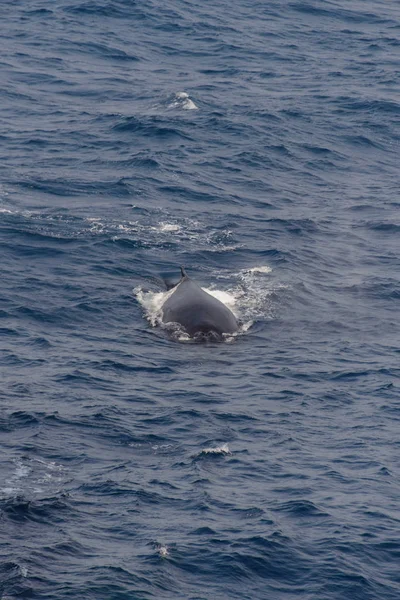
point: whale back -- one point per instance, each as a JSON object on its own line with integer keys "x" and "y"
{"x": 196, "y": 310}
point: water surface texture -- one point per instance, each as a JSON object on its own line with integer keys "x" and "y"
{"x": 257, "y": 144}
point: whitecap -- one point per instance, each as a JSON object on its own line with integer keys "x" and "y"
{"x": 223, "y": 449}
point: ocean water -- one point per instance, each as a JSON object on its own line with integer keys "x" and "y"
{"x": 257, "y": 144}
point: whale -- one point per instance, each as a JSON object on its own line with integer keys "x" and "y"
{"x": 199, "y": 313}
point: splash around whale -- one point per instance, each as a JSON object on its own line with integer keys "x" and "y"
{"x": 197, "y": 312}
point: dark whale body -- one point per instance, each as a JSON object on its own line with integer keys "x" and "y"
{"x": 197, "y": 311}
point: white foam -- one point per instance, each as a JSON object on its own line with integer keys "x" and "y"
{"x": 225, "y": 248}
{"x": 223, "y": 449}
{"x": 182, "y": 336}
{"x": 96, "y": 226}
{"x": 21, "y": 471}
{"x": 152, "y": 303}
{"x": 263, "y": 269}
{"x": 190, "y": 230}
{"x": 3, "y": 192}
{"x": 163, "y": 551}
{"x": 167, "y": 227}
{"x": 225, "y": 297}
{"x": 246, "y": 326}
{"x": 37, "y": 472}
{"x": 254, "y": 295}
{"x": 10, "y": 491}
{"x": 45, "y": 479}
{"x": 162, "y": 447}
{"x": 52, "y": 466}
{"x": 182, "y": 100}
{"x": 189, "y": 105}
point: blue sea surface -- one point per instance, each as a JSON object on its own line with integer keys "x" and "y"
{"x": 257, "y": 144}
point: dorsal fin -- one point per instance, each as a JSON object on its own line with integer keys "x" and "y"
{"x": 170, "y": 280}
